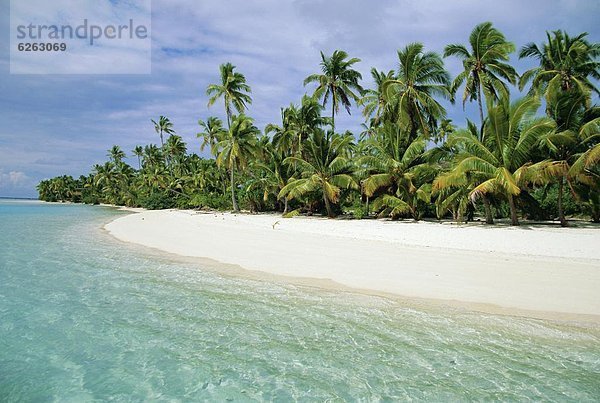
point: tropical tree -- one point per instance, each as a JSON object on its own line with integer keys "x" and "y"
{"x": 236, "y": 148}
{"x": 175, "y": 150}
{"x": 420, "y": 77}
{"x": 375, "y": 101}
{"x": 566, "y": 64}
{"x": 501, "y": 160}
{"x": 116, "y": 155}
{"x": 573, "y": 143}
{"x": 338, "y": 81}
{"x": 298, "y": 124}
{"x": 325, "y": 167}
{"x": 484, "y": 66}
{"x": 212, "y": 133}
{"x": 138, "y": 151}
{"x": 232, "y": 88}
{"x": 398, "y": 172}
{"x": 163, "y": 126}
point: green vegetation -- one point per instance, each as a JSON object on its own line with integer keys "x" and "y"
{"x": 410, "y": 161}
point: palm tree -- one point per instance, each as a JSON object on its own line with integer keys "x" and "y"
{"x": 420, "y": 77}
{"x": 233, "y": 89}
{"x": 153, "y": 156}
{"x": 324, "y": 168}
{"x": 274, "y": 174}
{"x": 398, "y": 172}
{"x": 212, "y": 132}
{"x": 298, "y": 123}
{"x": 375, "y": 101}
{"x": 577, "y": 135}
{"x": 237, "y": 148}
{"x": 338, "y": 81}
{"x": 138, "y": 151}
{"x": 484, "y": 65}
{"x": 175, "y": 148}
{"x": 565, "y": 64}
{"x": 501, "y": 160}
{"x": 116, "y": 155}
{"x": 163, "y": 126}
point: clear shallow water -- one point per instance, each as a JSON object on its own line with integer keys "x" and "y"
{"x": 84, "y": 317}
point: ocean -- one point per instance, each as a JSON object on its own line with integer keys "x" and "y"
{"x": 84, "y": 317}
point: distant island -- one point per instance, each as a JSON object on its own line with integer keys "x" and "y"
{"x": 410, "y": 160}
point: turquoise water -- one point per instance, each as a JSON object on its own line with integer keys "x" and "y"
{"x": 84, "y": 317}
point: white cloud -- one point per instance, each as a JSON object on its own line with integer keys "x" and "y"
{"x": 13, "y": 179}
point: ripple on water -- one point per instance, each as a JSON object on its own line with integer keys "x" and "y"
{"x": 83, "y": 317}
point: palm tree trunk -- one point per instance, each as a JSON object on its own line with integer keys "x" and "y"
{"x": 222, "y": 178}
{"x": 327, "y": 206}
{"x": 513, "y": 210}
{"x": 367, "y": 206}
{"x": 228, "y": 113}
{"x": 480, "y": 104}
{"x": 333, "y": 114}
{"x": 233, "y": 200}
{"x": 561, "y": 213}
{"x": 285, "y": 205}
{"x": 489, "y": 219}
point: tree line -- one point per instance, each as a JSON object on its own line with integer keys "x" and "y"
{"x": 409, "y": 160}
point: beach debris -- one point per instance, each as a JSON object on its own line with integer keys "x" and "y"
{"x": 275, "y": 223}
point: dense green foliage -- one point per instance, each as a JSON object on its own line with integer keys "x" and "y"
{"x": 410, "y": 161}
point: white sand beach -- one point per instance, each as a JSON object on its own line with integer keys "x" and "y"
{"x": 524, "y": 270}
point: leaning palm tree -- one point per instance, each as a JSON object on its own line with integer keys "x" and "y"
{"x": 233, "y": 89}
{"x": 420, "y": 77}
{"x": 237, "y": 147}
{"x": 501, "y": 160}
{"x": 325, "y": 168}
{"x": 163, "y": 126}
{"x": 566, "y": 64}
{"x": 484, "y": 67}
{"x": 338, "y": 81}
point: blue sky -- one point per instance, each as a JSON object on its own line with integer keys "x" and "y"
{"x": 55, "y": 124}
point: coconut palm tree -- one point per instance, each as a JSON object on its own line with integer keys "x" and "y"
{"x": 325, "y": 167}
{"x": 374, "y": 101}
{"x": 153, "y": 156}
{"x": 138, "y": 151}
{"x": 565, "y": 64}
{"x": 420, "y": 77}
{"x": 484, "y": 68}
{"x": 338, "y": 81}
{"x": 501, "y": 160}
{"x": 398, "y": 172}
{"x": 175, "y": 149}
{"x": 163, "y": 126}
{"x": 212, "y": 132}
{"x": 116, "y": 155}
{"x": 237, "y": 147}
{"x": 573, "y": 143}
{"x": 298, "y": 123}
{"x": 233, "y": 89}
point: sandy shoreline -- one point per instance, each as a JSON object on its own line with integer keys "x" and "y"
{"x": 524, "y": 270}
